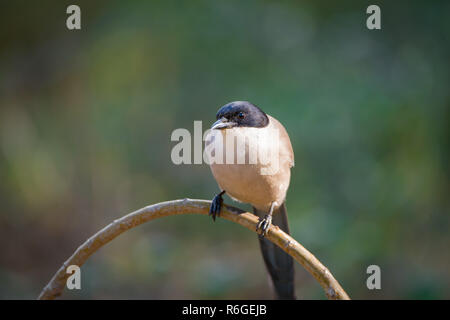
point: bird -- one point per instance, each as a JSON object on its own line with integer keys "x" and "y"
{"x": 262, "y": 184}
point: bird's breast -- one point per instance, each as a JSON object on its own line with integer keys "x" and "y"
{"x": 250, "y": 164}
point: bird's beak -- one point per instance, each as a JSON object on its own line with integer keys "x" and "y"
{"x": 223, "y": 123}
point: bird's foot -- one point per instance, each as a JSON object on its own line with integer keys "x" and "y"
{"x": 216, "y": 205}
{"x": 264, "y": 225}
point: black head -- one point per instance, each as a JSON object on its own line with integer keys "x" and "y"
{"x": 240, "y": 114}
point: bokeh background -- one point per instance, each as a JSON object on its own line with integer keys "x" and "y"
{"x": 86, "y": 118}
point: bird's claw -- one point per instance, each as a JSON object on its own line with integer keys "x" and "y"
{"x": 264, "y": 225}
{"x": 216, "y": 205}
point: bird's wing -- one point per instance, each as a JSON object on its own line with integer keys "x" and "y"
{"x": 286, "y": 149}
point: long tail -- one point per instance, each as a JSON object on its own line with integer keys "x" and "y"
{"x": 279, "y": 264}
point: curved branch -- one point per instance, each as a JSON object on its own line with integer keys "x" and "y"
{"x": 189, "y": 206}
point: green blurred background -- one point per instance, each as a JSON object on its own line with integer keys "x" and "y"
{"x": 86, "y": 118}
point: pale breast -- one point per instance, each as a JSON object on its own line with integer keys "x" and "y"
{"x": 256, "y": 169}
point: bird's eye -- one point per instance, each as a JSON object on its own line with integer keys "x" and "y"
{"x": 241, "y": 115}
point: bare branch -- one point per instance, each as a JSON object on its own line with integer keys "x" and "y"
{"x": 190, "y": 206}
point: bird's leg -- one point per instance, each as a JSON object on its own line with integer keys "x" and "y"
{"x": 216, "y": 205}
{"x": 265, "y": 223}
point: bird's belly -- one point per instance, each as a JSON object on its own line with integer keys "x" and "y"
{"x": 245, "y": 183}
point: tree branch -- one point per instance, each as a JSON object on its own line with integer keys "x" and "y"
{"x": 189, "y": 206}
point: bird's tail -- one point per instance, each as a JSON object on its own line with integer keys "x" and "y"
{"x": 279, "y": 264}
